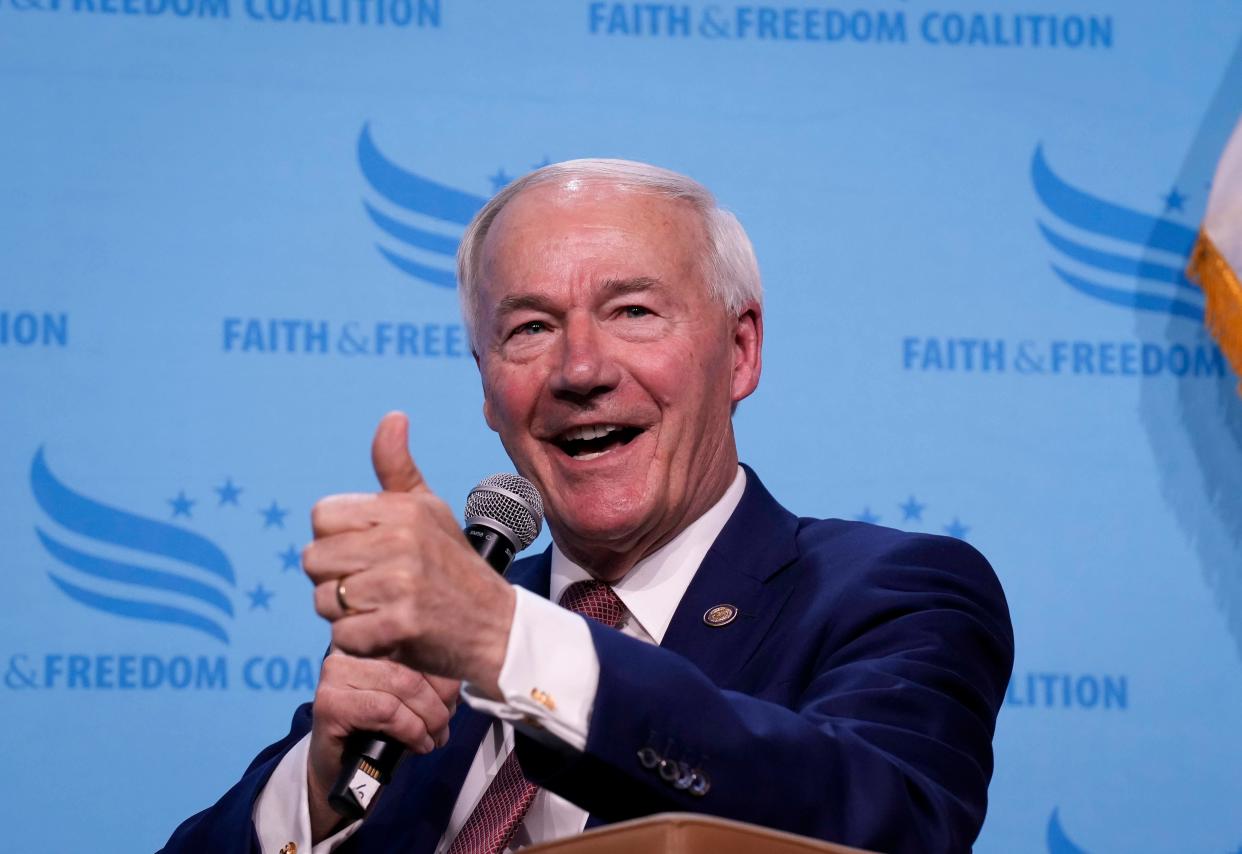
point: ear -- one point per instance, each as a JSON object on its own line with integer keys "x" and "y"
{"x": 487, "y": 397}
{"x": 487, "y": 411}
{"x": 747, "y": 351}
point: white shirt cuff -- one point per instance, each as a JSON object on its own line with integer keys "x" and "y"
{"x": 282, "y": 814}
{"x": 550, "y": 673}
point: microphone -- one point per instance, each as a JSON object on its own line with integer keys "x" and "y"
{"x": 504, "y": 515}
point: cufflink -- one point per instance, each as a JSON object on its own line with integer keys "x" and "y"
{"x": 543, "y": 698}
{"x": 289, "y": 848}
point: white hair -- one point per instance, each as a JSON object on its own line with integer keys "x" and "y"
{"x": 730, "y": 267}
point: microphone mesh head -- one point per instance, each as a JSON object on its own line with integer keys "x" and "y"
{"x": 511, "y": 500}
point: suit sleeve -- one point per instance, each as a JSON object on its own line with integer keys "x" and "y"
{"x": 227, "y": 825}
{"x": 883, "y": 741}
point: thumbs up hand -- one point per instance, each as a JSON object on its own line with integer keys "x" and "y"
{"x": 390, "y": 456}
{"x": 395, "y": 576}
{"x": 413, "y": 610}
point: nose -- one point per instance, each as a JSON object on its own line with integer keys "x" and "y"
{"x": 586, "y": 367}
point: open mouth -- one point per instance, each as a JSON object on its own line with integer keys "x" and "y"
{"x": 594, "y": 440}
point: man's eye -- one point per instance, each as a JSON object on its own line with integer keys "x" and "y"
{"x": 533, "y": 327}
{"x": 635, "y": 311}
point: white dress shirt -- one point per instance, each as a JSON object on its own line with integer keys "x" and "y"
{"x": 548, "y": 680}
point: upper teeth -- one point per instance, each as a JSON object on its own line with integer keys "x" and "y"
{"x": 591, "y": 431}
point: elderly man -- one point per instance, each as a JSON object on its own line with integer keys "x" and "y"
{"x": 829, "y": 678}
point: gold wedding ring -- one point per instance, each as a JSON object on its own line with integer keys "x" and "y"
{"x": 340, "y": 598}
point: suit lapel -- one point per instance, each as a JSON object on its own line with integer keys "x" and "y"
{"x": 756, "y": 542}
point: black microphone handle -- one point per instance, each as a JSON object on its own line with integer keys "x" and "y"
{"x": 369, "y": 758}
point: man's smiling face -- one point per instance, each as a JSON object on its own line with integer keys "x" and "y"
{"x": 608, "y": 369}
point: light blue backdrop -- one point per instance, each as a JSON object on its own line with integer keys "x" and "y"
{"x": 224, "y": 233}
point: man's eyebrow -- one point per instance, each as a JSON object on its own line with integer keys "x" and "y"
{"x": 523, "y": 302}
{"x": 636, "y": 285}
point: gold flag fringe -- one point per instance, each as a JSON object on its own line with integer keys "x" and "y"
{"x": 1211, "y": 271}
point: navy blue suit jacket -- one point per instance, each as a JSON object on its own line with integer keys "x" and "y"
{"x": 853, "y": 699}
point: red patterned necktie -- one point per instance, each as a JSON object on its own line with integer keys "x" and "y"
{"x": 491, "y": 826}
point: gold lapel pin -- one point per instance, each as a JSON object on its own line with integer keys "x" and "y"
{"x": 720, "y": 615}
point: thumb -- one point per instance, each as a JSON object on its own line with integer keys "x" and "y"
{"x": 390, "y": 455}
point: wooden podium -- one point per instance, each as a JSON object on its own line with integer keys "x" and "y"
{"x": 687, "y": 833}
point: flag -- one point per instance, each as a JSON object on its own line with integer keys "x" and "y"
{"x": 1216, "y": 261}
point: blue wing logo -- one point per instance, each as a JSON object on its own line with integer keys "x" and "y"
{"x": 1058, "y": 841}
{"x": 420, "y": 220}
{"x": 189, "y": 589}
{"x": 1115, "y": 254}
